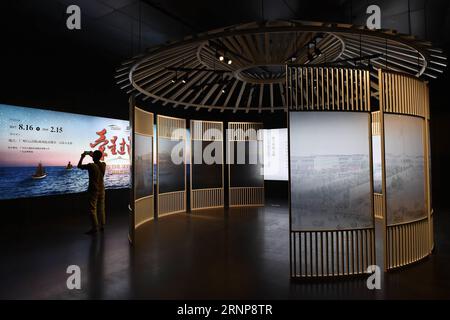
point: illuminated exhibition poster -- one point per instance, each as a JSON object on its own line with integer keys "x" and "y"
{"x": 275, "y": 154}
{"x": 330, "y": 173}
{"x": 405, "y": 183}
{"x": 40, "y": 149}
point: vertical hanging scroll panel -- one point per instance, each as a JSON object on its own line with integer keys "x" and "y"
{"x": 171, "y": 165}
{"x": 404, "y": 110}
{"x": 207, "y": 179}
{"x": 245, "y": 175}
{"x": 143, "y": 167}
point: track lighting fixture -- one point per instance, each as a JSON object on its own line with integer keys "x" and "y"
{"x": 228, "y": 61}
{"x": 174, "y": 79}
{"x": 317, "y": 52}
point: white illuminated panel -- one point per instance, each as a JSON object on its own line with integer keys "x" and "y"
{"x": 275, "y": 154}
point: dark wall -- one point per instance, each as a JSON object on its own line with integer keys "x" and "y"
{"x": 44, "y": 65}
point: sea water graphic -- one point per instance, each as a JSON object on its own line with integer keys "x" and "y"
{"x": 18, "y": 183}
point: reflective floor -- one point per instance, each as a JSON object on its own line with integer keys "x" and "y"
{"x": 236, "y": 254}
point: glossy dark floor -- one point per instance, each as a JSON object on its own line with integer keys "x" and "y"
{"x": 240, "y": 253}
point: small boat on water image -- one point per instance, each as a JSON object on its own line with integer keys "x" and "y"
{"x": 40, "y": 172}
{"x": 69, "y": 166}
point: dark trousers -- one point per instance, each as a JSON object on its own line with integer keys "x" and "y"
{"x": 97, "y": 208}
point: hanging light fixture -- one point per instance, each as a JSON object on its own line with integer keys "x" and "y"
{"x": 174, "y": 79}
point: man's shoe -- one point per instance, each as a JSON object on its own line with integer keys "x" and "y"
{"x": 91, "y": 231}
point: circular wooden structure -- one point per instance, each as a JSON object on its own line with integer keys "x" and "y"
{"x": 191, "y": 74}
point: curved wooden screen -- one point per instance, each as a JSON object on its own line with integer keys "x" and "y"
{"x": 206, "y": 167}
{"x": 327, "y": 253}
{"x": 331, "y": 204}
{"x": 143, "y": 167}
{"x": 408, "y": 229}
{"x": 326, "y": 89}
{"x": 171, "y": 165}
{"x": 245, "y": 176}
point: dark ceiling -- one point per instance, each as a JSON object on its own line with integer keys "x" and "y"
{"x": 46, "y": 65}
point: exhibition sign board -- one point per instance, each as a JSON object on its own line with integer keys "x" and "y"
{"x": 275, "y": 154}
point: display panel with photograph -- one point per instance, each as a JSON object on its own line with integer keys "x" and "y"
{"x": 329, "y": 171}
{"x": 171, "y": 174}
{"x": 143, "y": 164}
{"x": 405, "y": 175}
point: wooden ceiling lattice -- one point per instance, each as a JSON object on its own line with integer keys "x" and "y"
{"x": 188, "y": 73}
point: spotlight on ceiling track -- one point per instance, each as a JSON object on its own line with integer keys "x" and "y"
{"x": 228, "y": 61}
{"x": 317, "y": 52}
{"x": 224, "y": 89}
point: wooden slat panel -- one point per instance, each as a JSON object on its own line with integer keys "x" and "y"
{"x": 407, "y": 243}
{"x": 331, "y": 252}
{"x": 403, "y": 94}
{"x": 246, "y": 196}
{"x": 144, "y": 210}
{"x": 328, "y": 88}
{"x": 378, "y": 205}
{"x": 207, "y": 198}
{"x": 171, "y": 202}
